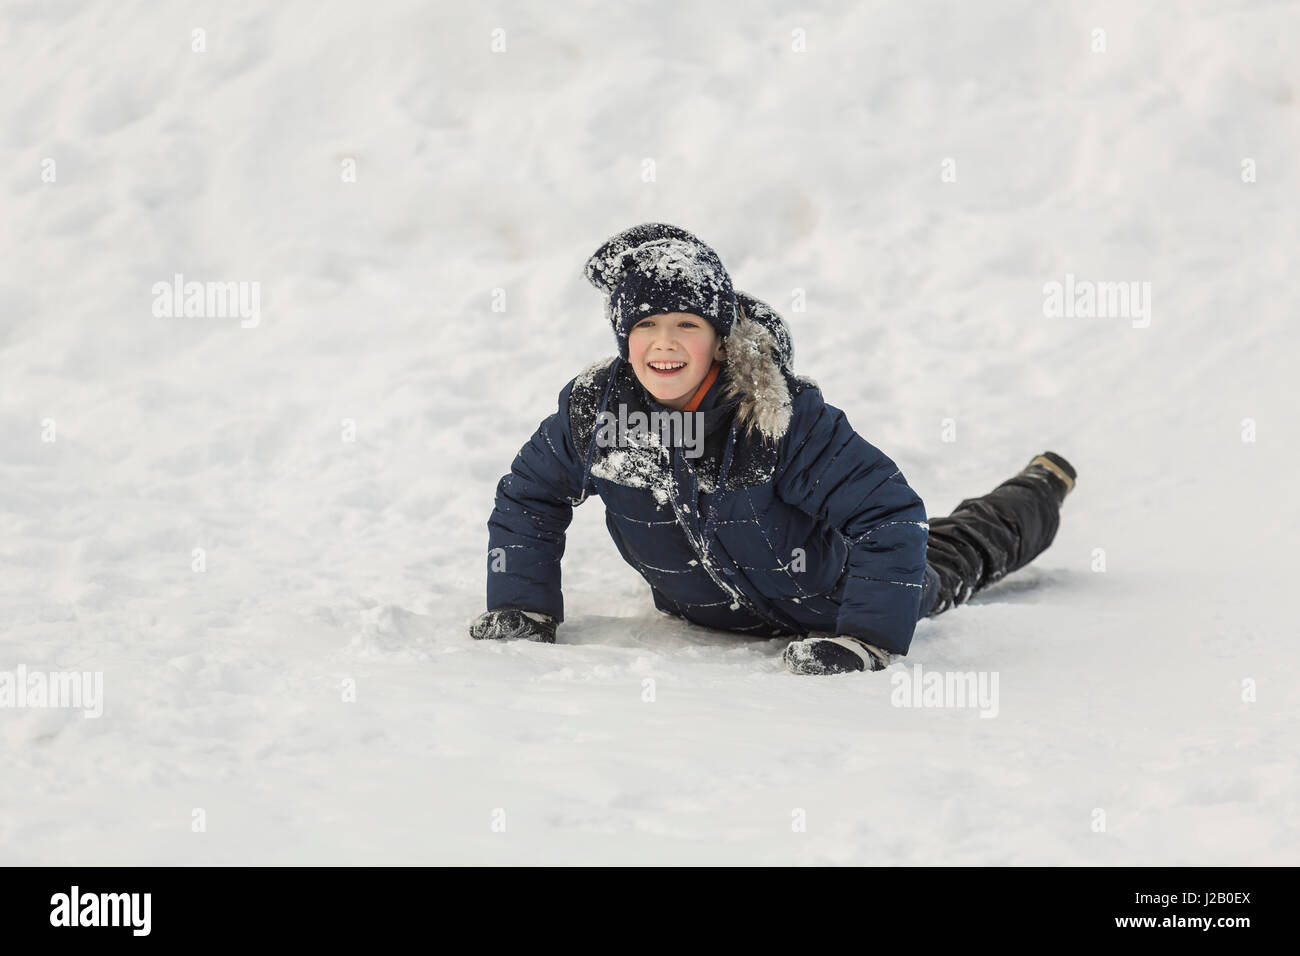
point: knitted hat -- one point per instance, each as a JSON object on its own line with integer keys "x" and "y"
{"x": 655, "y": 268}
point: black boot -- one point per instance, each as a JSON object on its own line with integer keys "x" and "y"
{"x": 988, "y": 537}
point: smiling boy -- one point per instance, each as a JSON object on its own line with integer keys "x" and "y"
{"x": 789, "y": 524}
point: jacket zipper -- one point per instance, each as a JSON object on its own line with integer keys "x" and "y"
{"x": 700, "y": 548}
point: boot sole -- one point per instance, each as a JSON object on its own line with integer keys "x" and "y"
{"x": 1057, "y": 466}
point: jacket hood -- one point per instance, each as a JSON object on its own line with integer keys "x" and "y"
{"x": 759, "y": 356}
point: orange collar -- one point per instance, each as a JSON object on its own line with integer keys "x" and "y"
{"x": 705, "y": 385}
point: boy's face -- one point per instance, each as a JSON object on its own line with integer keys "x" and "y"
{"x": 671, "y": 353}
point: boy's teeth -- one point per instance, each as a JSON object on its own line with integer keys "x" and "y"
{"x": 667, "y": 366}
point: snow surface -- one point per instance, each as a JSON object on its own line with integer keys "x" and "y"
{"x": 330, "y": 561}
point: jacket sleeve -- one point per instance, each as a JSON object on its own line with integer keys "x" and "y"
{"x": 829, "y": 471}
{"x": 534, "y": 507}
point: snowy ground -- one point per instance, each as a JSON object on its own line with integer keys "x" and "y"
{"x": 333, "y": 564}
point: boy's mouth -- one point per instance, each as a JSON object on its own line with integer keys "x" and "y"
{"x": 665, "y": 369}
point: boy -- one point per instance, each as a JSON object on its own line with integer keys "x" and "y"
{"x": 776, "y": 518}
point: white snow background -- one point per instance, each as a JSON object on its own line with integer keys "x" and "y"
{"x": 1127, "y": 690}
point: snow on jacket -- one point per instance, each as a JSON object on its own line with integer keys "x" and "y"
{"x": 814, "y": 528}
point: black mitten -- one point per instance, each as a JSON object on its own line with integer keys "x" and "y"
{"x": 509, "y": 623}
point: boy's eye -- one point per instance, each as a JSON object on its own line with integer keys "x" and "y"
{"x": 649, "y": 323}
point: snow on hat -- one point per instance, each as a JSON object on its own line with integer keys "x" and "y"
{"x": 655, "y": 268}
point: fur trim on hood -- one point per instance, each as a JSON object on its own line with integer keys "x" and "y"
{"x": 758, "y": 355}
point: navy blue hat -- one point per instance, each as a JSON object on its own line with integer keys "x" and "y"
{"x": 655, "y": 268}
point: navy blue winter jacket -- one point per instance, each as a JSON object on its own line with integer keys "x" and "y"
{"x": 814, "y": 530}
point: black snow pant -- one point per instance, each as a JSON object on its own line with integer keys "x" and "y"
{"x": 986, "y": 538}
